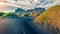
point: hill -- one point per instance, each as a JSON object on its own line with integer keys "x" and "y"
{"x": 32, "y": 12}
{"x": 2, "y": 13}
{"x": 50, "y": 18}
{"x": 8, "y": 15}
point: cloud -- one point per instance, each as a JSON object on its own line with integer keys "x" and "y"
{"x": 31, "y": 4}
{"x": 8, "y": 9}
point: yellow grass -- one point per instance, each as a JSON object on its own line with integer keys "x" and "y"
{"x": 50, "y": 16}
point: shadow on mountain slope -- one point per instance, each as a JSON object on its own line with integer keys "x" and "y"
{"x": 13, "y": 24}
{"x": 19, "y": 25}
{"x": 23, "y": 25}
{"x": 50, "y": 19}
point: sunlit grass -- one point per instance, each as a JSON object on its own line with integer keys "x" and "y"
{"x": 51, "y": 16}
{"x": 8, "y": 14}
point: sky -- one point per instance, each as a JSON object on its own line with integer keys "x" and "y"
{"x": 12, "y": 5}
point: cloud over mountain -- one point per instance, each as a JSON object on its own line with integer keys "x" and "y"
{"x": 30, "y": 4}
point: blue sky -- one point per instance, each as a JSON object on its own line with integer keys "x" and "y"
{"x": 29, "y": 4}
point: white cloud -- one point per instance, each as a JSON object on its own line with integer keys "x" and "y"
{"x": 8, "y": 9}
{"x": 31, "y": 4}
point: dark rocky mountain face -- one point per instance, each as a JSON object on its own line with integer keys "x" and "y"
{"x": 18, "y": 10}
{"x": 23, "y": 25}
{"x": 13, "y": 24}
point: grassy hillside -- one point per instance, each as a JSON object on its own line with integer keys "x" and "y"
{"x": 2, "y": 13}
{"x": 50, "y": 17}
{"x": 48, "y": 22}
{"x": 10, "y": 14}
